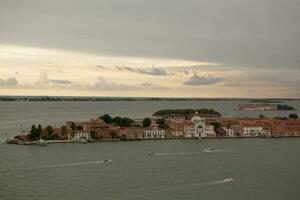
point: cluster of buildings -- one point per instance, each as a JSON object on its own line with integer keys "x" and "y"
{"x": 180, "y": 127}
{"x": 253, "y": 127}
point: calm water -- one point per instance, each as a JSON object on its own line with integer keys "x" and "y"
{"x": 264, "y": 169}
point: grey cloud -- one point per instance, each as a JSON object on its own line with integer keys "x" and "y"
{"x": 250, "y": 33}
{"x": 128, "y": 69}
{"x": 9, "y": 82}
{"x": 153, "y": 71}
{"x": 60, "y": 81}
{"x": 202, "y": 80}
{"x": 100, "y": 66}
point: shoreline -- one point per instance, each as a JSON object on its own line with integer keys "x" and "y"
{"x": 152, "y": 139}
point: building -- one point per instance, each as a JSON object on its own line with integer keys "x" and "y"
{"x": 251, "y": 131}
{"x": 153, "y": 132}
{"x": 130, "y": 133}
{"x": 195, "y": 128}
{"x": 208, "y": 131}
{"x": 229, "y": 132}
{"x": 79, "y": 135}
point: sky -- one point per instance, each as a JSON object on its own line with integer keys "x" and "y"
{"x": 157, "y": 48}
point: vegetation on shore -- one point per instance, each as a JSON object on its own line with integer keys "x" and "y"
{"x": 285, "y": 107}
{"x": 186, "y": 112}
{"x": 119, "y": 121}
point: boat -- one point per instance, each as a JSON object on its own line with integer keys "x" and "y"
{"x": 41, "y": 142}
{"x": 82, "y": 141}
{"x": 227, "y": 180}
{"x": 211, "y": 149}
{"x": 150, "y": 154}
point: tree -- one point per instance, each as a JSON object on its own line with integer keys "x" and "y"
{"x": 39, "y": 130}
{"x": 33, "y": 133}
{"x": 163, "y": 126}
{"x": 106, "y": 118}
{"x": 93, "y": 134}
{"x": 49, "y": 131}
{"x": 73, "y": 126}
{"x": 117, "y": 120}
{"x": 146, "y": 122}
{"x": 293, "y": 116}
{"x": 261, "y": 116}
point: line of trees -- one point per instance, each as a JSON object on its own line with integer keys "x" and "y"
{"x": 37, "y": 133}
{"x": 119, "y": 121}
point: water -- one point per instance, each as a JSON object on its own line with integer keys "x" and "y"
{"x": 17, "y": 116}
{"x": 266, "y": 169}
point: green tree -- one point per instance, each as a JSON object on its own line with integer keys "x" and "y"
{"x": 217, "y": 126}
{"x": 106, "y": 118}
{"x": 117, "y": 120}
{"x": 39, "y": 130}
{"x": 73, "y": 126}
{"x": 33, "y": 133}
{"x": 146, "y": 122}
{"x": 163, "y": 126}
{"x": 293, "y": 116}
{"x": 126, "y": 122}
{"x": 49, "y": 131}
{"x": 261, "y": 116}
{"x": 94, "y": 134}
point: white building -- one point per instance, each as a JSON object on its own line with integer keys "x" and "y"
{"x": 153, "y": 133}
{"x": 252, "y": 131}
{"x": 176, "y": 133}
{"x": 196, "y": 128}
{"x": 208, "y": 131}
{"x": 79, "y": 135}
{"x": 229, "y": 132}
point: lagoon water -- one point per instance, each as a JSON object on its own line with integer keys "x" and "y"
{"x": 266, "y": 169}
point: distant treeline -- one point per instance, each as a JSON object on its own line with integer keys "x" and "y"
{"x": 53, "y": 98}
{"x": 187, "y": 112}
{"x": 285, "y": 107}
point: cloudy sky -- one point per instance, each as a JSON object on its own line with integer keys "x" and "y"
{"x": 161, "y": 48}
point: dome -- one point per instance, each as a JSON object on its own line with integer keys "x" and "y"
{"x": 196, "y": 118}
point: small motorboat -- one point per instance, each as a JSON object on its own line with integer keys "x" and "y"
{"x": 106, "y": 161}
{"x": 211, "y": 149}
{"x": 41, "y": 142}
{"x": 82, "y": 141}
{"x": 227, "y": 180}
{"x": 150, "y": 154}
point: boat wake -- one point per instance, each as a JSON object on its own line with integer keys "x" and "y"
{"x": 175, "y": 153}
{"x": 77, "y": 164}
{"x": 207, "y": 150}
{"x": 224, "y": 181}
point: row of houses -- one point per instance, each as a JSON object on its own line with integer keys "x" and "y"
{"x": 182, "y": 127}
{"x": 253, "y": 127}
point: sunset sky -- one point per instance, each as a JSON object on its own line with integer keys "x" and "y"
{"x": 159, "y": 48}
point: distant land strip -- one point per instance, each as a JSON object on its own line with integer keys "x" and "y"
{"x": 76, "y": 98}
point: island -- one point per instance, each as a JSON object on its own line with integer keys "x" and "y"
{"x": 264, "y": 106}
{"x": 163, "y": 124}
